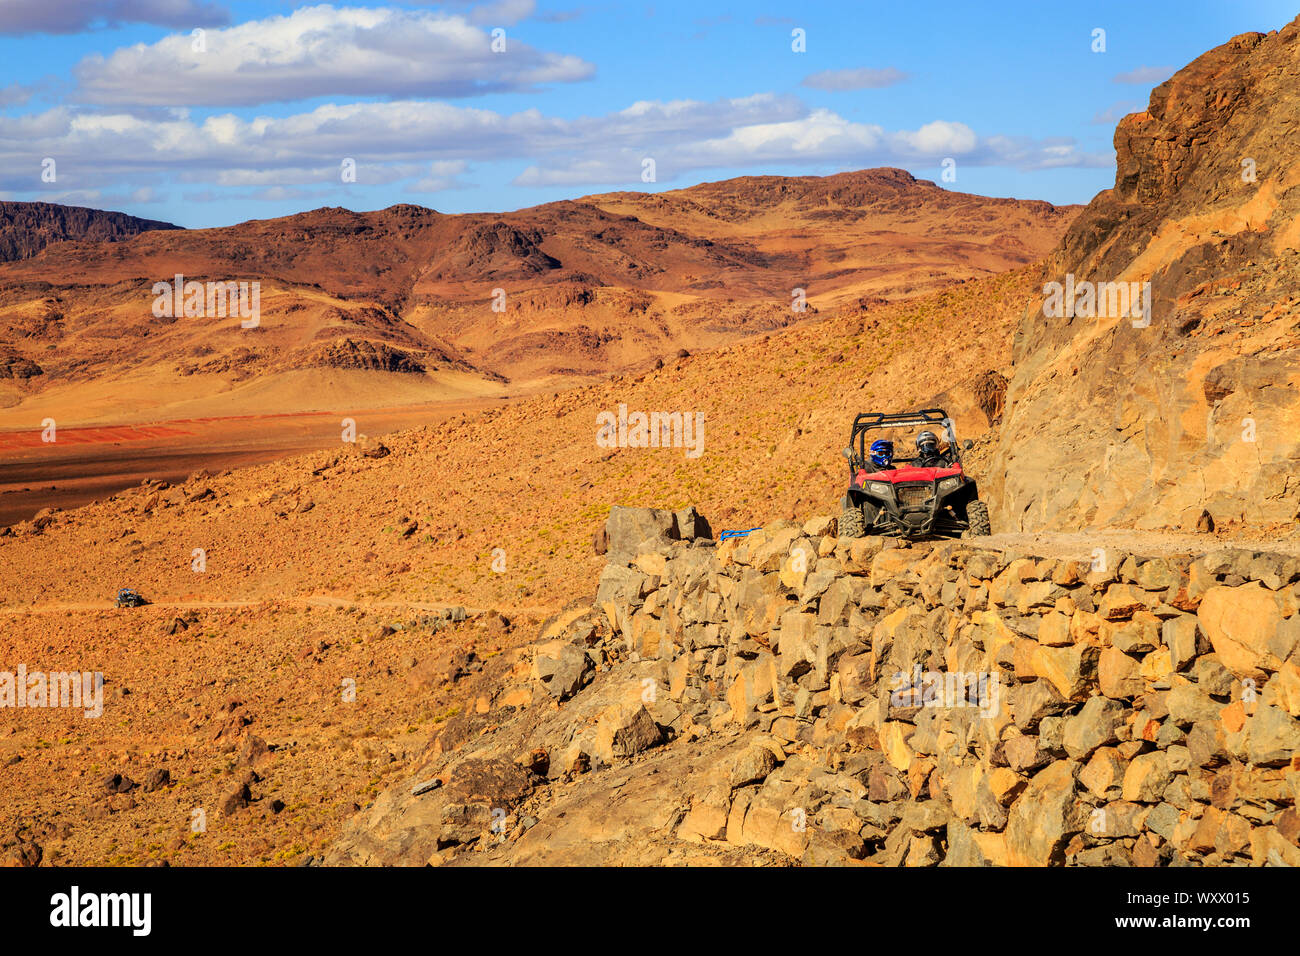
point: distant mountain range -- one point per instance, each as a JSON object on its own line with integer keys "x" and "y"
{"x": 408, "y": 304}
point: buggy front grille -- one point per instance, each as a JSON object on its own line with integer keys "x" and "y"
{"x": 913, "y": 496}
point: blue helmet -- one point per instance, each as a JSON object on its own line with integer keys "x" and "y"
{"x": 882, "y": 453}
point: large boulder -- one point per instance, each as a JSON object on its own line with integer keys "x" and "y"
{"x": 1045, "y": 817}
{"x": 562, "y": 668}
{"x": 494, "y": 781}
{"x": 1239, "y": 623}
{"x": 625, "y": 730}
{"x": 633, "y": 531}
{"x": 1092, "y": 727}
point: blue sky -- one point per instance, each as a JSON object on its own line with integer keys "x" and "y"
{"x": 255, "y": 115}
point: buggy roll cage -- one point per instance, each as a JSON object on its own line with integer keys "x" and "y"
{"x": 866, "y": 421}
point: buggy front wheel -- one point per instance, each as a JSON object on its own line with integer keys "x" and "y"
{"x": 851, "y": 523}
{"x": 977, "y": 517}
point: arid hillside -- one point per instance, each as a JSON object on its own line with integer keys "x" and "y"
{"x": 310, "y": 563}
{"x": 1195, "y": 406}
{"x": 530, "y": 477}
{"x": 409, "y": 305}
{"x": 28, "y": 227}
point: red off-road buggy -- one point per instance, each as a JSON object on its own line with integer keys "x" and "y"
{"x": 904, "y": 499}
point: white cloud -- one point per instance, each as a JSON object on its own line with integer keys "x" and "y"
{"x": 623, "y": 167}
{"x": 1022, "y": 152}
{"x": 863, "y": 78}
{"x": 495, "y": 13}
{"x": 323, "y": 51}
{"x": 819, "y": 138}
{"x": 269, "y": 194}
{"x": 442, "y": 175}
{"x": 367, "y": 174}
{"x": 939, "y": 138}
{"x": 1145, "y": 75}
{"x": 561, "y": 16}
{"x": 434, "y": 143}
{"x": 98, "y": 199}
{"x": 501, "y": 12}
{"x": 18, "y": 17}
{"x": 1114, "y": 113}
{"x": 16, "y": 94}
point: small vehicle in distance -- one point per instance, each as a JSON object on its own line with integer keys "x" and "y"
{"x": 127, "y": 597}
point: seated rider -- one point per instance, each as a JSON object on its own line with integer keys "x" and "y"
{"x": 927, "y": 452}
{"x": 882, "y": 454}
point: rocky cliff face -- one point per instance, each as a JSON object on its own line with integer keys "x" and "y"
{"x": 792, "y": 697}
{"x": 1113, "y": 421}
{"x": 28, "y": 227}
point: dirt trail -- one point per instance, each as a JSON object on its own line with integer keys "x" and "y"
{"x": 313, "y": 600}
{"x": 1080, "y": 545}
{"x": 1076, "y": 545}
{"x": 322, "y": 600}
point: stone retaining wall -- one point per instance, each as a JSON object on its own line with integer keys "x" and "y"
{"x": 1120, "y": 711}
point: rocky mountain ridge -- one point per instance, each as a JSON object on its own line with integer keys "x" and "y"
{"x": 28, "y": 227}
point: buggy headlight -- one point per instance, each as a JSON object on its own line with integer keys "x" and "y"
{"x": 879, "y": 487}
{"x": 948, "y": 484}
